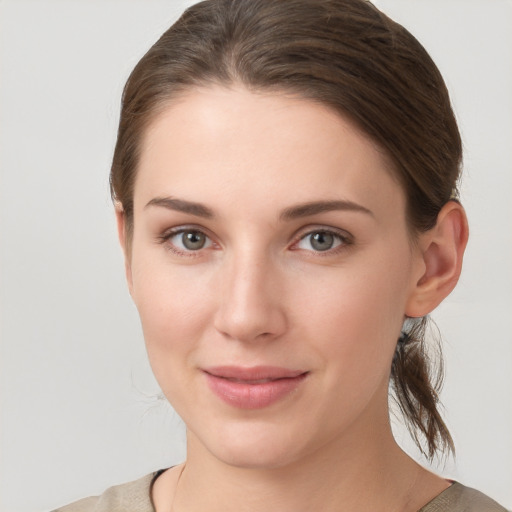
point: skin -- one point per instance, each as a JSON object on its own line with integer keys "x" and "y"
{"x": 259, "y": 293}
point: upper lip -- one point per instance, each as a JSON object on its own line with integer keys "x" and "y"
{"x": 253, "y": 373}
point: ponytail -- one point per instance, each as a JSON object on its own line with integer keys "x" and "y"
{"x": 416, "y": 380}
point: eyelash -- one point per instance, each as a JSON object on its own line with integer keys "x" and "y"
{"x": 170, "y": 233}
{"x": 345, "y": 240}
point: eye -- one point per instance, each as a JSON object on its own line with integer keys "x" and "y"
{"x": 321, "y": 240}
{"x": 187, "y": 240}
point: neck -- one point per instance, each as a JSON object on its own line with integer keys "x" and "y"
{"x": 371, "y": 475}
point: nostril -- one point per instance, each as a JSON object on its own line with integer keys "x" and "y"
{"x": 249, "y": 308}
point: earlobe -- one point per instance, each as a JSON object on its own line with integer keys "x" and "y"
{"x": 121, "y": 233}
{"x": 442, "y": 250}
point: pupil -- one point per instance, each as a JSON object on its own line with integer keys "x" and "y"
{"x": 193, "y": 240}
{"x": 322, "y": 241}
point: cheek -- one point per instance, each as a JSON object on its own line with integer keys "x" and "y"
{"x": 356, "y": 314}
{"x": 173, "y": 309}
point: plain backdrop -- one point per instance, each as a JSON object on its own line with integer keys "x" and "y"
{"x": 79, "y": 407}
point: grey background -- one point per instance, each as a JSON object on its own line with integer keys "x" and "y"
{"x": 79, "y": 407}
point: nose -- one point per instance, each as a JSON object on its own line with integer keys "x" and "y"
{"x": 251, "y": 305}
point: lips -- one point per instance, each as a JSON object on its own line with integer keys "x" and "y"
{"x": 255, "y": 387}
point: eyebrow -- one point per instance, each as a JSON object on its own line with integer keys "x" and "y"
{"x": 180, "y": 205}
{"x": 291, "y": 213}
{"x": 313, "y": 208}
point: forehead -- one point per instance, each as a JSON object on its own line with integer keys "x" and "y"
{"x": 215, "y": 143}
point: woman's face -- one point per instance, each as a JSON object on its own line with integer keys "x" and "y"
{"x": 272, "y": 269}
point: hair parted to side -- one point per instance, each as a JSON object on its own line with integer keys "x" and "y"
{"x": 344, "y": 54}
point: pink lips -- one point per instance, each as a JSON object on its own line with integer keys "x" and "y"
{"x": 252, "y": 388}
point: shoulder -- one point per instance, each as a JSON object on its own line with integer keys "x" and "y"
{"x": 459, "y": 498}
{"x": 130, "y": 497}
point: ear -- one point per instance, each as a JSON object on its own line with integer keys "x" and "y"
{"x": 441, "y": 250}
{"x": 121, "y": 233}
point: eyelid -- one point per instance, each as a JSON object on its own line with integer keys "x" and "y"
{"x": 166, "y": 235}
{"x": 346, "y": 238}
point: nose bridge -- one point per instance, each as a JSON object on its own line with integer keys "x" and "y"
{"x": 249, "y": 306}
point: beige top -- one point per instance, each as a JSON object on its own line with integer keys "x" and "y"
{"x": 135, "y": 497}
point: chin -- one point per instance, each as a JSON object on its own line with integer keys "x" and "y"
{"x": 253, "y": 447}
{"x": 253, "y": 457}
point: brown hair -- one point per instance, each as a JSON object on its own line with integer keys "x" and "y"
{"x": 347, "y": 55}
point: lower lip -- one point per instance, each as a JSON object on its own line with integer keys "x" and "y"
{"x": 253, "y": 396}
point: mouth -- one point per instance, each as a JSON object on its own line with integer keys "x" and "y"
{"x": 255, "y": 387}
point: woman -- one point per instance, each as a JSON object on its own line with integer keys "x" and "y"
{"x": 285, "y": 183}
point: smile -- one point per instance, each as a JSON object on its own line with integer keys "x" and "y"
{"x": 252, "y": 388}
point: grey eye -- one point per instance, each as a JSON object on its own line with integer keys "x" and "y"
{"x": 321, "y": 241}
{"x": 193, "y": 240}
{"x": 186, "y": 241}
